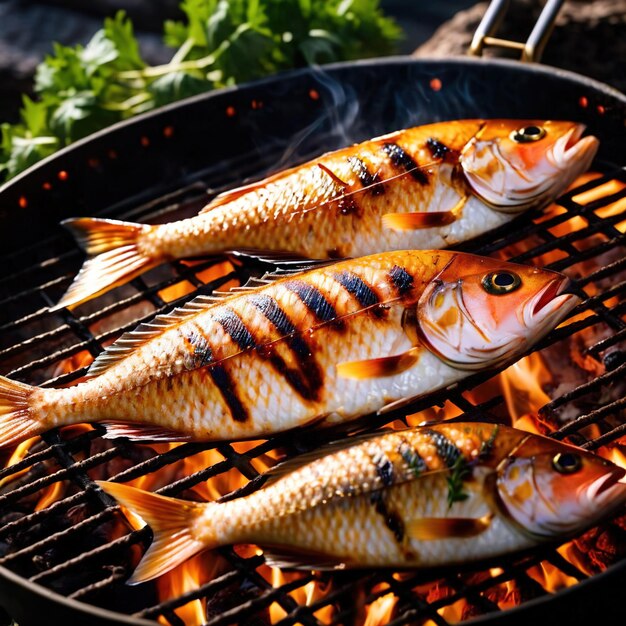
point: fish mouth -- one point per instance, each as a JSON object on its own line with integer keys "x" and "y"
{"x": 609, "y": 486}
{"x": 554, "y": 293}
{"x": 573, "y": 147}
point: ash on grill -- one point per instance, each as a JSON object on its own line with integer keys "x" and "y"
{"x": 58, "y": 530}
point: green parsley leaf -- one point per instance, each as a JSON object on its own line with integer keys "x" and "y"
{"x": 82, "y": 89}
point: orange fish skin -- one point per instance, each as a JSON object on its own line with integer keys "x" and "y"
{"x": 427, "y": 187}
{"x": 323, "y": 209}
{"x": 327, "y": 345}
{"x": 437, "y": 495}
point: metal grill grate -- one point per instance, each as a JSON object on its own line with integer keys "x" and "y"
{"x": 82, "y": 531}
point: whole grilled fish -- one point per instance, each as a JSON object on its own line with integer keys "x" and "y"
{"x": 421, "y": 188}
{"x": 329, "y": 345}
{"x": 426, "y": 497}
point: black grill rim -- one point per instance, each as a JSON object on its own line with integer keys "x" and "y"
{"x": 14, "y": 187}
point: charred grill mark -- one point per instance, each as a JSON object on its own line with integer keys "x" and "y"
{"x": 401, "y": 159}
{"x": 199, "y": 348}
{"x": 402, "y": 280}
{"x": 356, "y": 287}
{"x": 270, "y": 309}
{"x": 437, "y": 149}
{"x": 412, "y": 458}
{"x": 224, "y": 382}
{"x": 306, "y": 379}
{"x": 368, "y": 180}
{"x": 446, "y": 450}
{"x": 392, "y": 520}
{"x": 384, "y": 467}
{"x": 313, "y": 299}
{"x": 235, "y": 328}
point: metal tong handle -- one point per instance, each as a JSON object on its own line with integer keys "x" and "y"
{"x": 536, "y": 42}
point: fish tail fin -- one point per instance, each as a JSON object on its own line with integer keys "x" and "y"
{"x": 172, "y": 523}
{"x": 114, "y": 257}
{"x": 17, "y": 422}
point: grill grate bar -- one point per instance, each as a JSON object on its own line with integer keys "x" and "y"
{"x": 211, "y": 587}
{"x": 54, "y": 538}
{"x": 118, "y": 575}
{"x": 62, "y": 474}
{"x": 85, "y": 558}
{"x": 41, "y": 515}
{"x": 94, "y": 343}
{"x": 589, "y": 418}
{"x": 582, "y": 390}
{"x": 602, "y": 440}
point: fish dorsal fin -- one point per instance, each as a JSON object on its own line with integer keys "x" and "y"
{"x": 234, "y": 194}
{"x": 290, "y": 465}
{"x": 132, "y": 340}
{"x": 282, "y": 260}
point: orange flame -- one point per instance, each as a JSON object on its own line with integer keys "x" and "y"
{"x": 381, "y": 610}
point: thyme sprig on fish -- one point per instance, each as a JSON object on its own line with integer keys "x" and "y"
{"x": 81, "y": 89}
{"x": 459, "y": 473}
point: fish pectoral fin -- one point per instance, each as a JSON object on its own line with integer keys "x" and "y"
{"x": 284, "y": 557}
{"x": 383, "y": 366}
{"x": 142, "y": 432}
{"x": 423, "y": 219}
{"x": 416, "y": 221}
{"x": 431, "y": 528}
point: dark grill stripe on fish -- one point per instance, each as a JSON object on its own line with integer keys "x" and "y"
{"x": 402, "y": 280}
{"x": 368, "y": 180}
{"x": 235, "y": 328}
{"x": 437, "y": 149}
{"x": 306, "y": 379}
{"x": 199, "y": 347}
{"x": 356, "y": 287}
{"x": 446, "y": 450}
{"x": 226, "y": 386}
{"x": 384, "y": 468}
{"x": 272, "y": 311}
{"x": 392, "y": 520}
{"x": 313, "y": 299}
{"x": 412, "y": 458}
{"x": 402, "y": 160}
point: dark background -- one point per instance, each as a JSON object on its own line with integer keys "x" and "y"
{"x": 590, "y": 37}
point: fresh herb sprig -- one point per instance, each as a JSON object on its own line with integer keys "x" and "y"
{"x": 459, "y": 473}
{"x": 81, "y": 89}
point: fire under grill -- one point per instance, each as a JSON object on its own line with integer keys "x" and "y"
{"x": 58, "y": 530}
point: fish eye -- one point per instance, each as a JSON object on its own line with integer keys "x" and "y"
{"x": 499, "y": 283}
{"x": 528, "y": 134}
{"x": 567, "y": 462}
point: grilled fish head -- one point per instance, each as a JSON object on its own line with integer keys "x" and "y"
{"x": 514, "y": 165}
{"x": 480, "y": 312}
{"x": 551, "y": 489}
